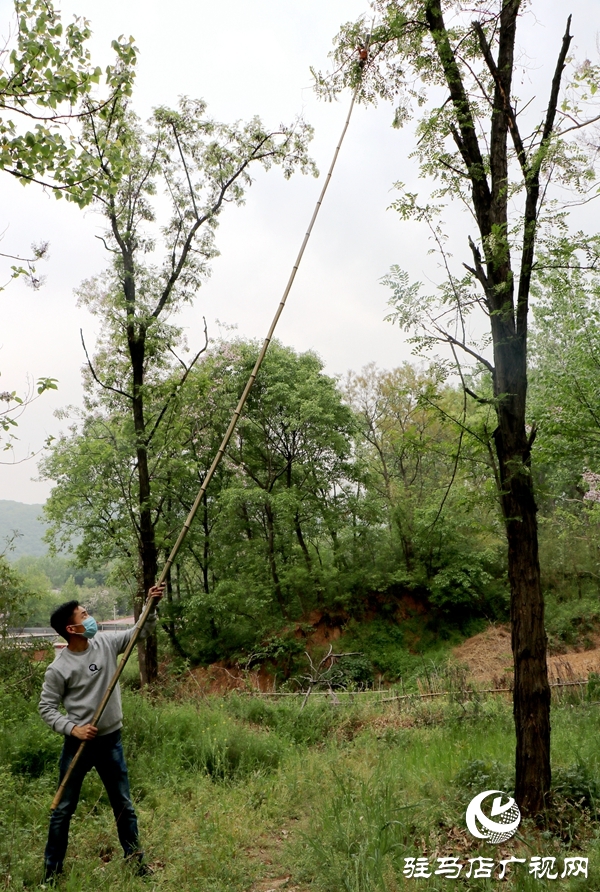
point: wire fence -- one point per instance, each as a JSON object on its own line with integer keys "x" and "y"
{"x": 383, "y": 695}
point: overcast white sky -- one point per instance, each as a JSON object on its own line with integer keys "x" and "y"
{"x": 243, "y": 59}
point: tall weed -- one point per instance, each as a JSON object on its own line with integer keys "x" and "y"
{"x": 172, "y": 738}
{"x": 307, "y": 726}
{"x": 361, "y": 833}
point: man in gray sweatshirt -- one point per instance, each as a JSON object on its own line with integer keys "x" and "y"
{"x": 77, "y": 680}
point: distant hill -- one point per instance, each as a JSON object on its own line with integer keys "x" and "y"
{"x": 23, "y": 519}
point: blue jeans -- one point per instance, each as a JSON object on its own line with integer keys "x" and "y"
{"x": 105, "y": 754}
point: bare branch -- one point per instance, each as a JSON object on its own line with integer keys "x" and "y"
{"x": 478, "y": 271}
{"x": 556, "y": 80}
{"x": 577, "y": 126}
{"x": 455, "y": 170}
{"x": 507, "y": 107}
{"x": 180, "y": 383}
{"x": 459, "y": 447}
{"x": 449, "y": 339}
{"x": 95, "y": 376}
{"x": 108, "y": 248}
{"x": 533, "y": 189}
{"x": 187, "y": 173}
{"x": 478, "y": 399}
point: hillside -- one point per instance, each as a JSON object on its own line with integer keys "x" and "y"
{"x": 17, "y": 517}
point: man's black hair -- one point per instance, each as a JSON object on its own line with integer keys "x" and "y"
{"x": 62, "y": 617}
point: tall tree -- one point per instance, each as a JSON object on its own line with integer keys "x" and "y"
{"x": 200, "y": 166}
{"x": 294, "y": 448}
{"x": 259, "y": 552}
{"x": 459, "y": 65}
{"x": 428, "y": 478}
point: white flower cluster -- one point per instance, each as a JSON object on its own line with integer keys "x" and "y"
{"x": 593, "y": 481}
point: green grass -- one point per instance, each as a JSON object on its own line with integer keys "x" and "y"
{"x": 235, "y": 792}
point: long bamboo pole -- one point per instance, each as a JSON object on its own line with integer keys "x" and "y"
{"x": 221, "y": 451}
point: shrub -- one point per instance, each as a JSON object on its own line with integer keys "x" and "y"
{"x": 478, "y": 775}
{"x": 578, "y": 785}
{"x": 33, "y": 748}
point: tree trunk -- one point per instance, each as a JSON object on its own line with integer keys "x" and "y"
{"x": 508, "y": 320}
{"x": 148, "y": 555}
{"x": 531, "y": 699}
{"x": 149, "y": 558}
{"x": 206, "y": 548}
{"x": 171, "y": 624}
{"x": 147, "y": 541}
{"x": 272, "y": 562}
{"x": 138, "y": 606}
{"x": 309, "y": 564}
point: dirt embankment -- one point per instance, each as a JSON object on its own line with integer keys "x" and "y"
{"x": 488, "y": 657}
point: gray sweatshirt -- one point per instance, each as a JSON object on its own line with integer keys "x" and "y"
{"x": 78, "y": 681}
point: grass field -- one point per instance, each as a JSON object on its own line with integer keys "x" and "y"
{"x": 237, "y": 793}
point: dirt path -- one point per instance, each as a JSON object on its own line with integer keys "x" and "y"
{"x": 489, "y": 659}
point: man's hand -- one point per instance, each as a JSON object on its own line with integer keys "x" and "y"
{"x": 157, "y": 591}
{"x": 84, "y": 732}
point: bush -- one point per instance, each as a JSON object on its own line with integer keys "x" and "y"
{"x": 593, "y": 687}
{"x": 33, "y": 749}
{"x": 21, "y": 675}
{"x": 478, "y": 775}
{"x": 356, "y": 671}
{"x": 577, "y": 785}
{"x": 27, "y": 746}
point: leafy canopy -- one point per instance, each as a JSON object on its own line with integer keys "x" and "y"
{"x": 47, "y": 79}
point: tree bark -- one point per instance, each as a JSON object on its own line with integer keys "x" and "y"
{"x": 206, "y": 546}
{"x": 308, "y": 562}
{"x": 531, "y": 696}
{"x": 270, "y": 523}
{"x": 148, "y": 554}
{"x": 531, "y": 705}
{"x": 147, "y": 539}
{"x": 170, "y": 626}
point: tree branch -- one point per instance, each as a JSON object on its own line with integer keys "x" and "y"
{"x": 449, "y": 339}
{"x": 478, "y": 271}
{"x": 212, "y": 212}
{"x": 468, "y": 144}
{"x": 95, "y": 376}
{"x": 533, "y": 189}
{"x": 556, "y": 81}
{"x": 507, "y": 107}
{"x": 477, "y": 398}
{"x": 185, "y": 167}
{"x": 179, "y": 385}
